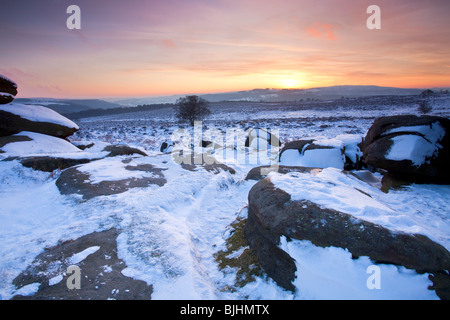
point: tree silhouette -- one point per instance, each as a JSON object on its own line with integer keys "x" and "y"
{"x": 191, "y": 108}
{"x": 424, "y": 107}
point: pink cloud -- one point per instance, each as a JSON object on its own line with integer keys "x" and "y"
{"x": 324, "y": 31}
{"x": 167, "y": 43}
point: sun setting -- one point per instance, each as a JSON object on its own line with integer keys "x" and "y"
{"x": 290, "y": 83}
{"x": 197, "y": 152}
{"x": 170, "y": 47}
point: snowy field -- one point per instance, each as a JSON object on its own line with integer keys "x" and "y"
{"x": 170, "y": 235}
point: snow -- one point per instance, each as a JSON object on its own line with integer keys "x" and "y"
{"x": 55, "y": 280}
{"x": 331, "y": 274}
{"x": 323, "y": 158}
{"x": 260, "y": 144}
{"x": 5, "y": 94}
{"x": 110, "y": 169}
{"x": 29, "y": 289}
{"x": 168, "y": 235}
{"x": 433, "y": 133}
{"x": 80, "y": 256}
{"x": 40, "y": 144}
{"x": 412, "y": 211}
{"x": 38, "y": 114}
{"x": 413, "y": 147}
{"x": 6, "y": 78}
{"x": 318, "y": 158}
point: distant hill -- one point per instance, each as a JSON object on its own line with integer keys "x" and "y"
{"x": 279, "y": 95}
{"x": 66, "y": 106}
{"x": 323, "y": 93}
{"x": 92, "y": 106}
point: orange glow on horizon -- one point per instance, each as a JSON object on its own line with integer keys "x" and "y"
{"x": 157, "y": 49}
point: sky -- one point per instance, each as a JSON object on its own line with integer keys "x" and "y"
{"x": 140, "y": 48}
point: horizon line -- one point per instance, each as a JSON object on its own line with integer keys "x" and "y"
{"x": 223, "y": 92}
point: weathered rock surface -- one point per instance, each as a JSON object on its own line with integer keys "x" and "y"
{"x": 341, "y": 152}
{"x": 272, "y": 214}
{"x": 409, "y": 147}
{"x": 50, "y": 164}
{"x": 122, "y": 150}
{"x": 261, "y": 172}
{"x": 74, "y": 181}
{"x": 8, "y": 90}
{"x": 101, "y": 272}
{"x": 15, "y": 118}
{"x": 195, "y": 161}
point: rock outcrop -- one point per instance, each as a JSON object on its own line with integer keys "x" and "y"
{"x": 101, "y": 275}
{"x": 272, "y": 213}
{"x": 75, "y": 181}
{"x": 260, "y": 139}
{"x": 8, "y": 90}
{"x": 409, "y": 147}
{"x": 15, "y": 118}
{"x": 341, "y": 152}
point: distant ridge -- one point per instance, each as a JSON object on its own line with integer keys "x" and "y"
{"x": 66, "y": 106}
{"x": 279, "y": 95}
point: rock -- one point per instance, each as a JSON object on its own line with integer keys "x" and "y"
{"x": 341, "y": 152}
{"x": 259, "y": 173}
{"x": 194, "y": 161}
{"x": 15, "y": 118}
{"x": 167, "y": 146}
{"x": 261, "y": 139}
{"x": 46, "y": 153}
{"x": 26, "y": 143}
{"x": 409, "y": 147}
{"x": 75, "y": 181}
{"x": 8, "y": 90}
{"x": 83, "y": 145}
{"x": 306, "y": 153}
{"x": 101, "y": 272}
{"x": 12, "y": 139}
{"x": 272, "y": 213}
{"x": 426, "y": 93}
{"x": 122, "y": 150}
{"x": 50, "y": 164}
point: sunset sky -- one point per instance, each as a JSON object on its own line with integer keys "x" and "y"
{"x": 139, "y": 48}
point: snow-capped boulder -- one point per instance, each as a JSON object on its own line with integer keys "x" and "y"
{"x": 107, "y": 177}
{"x": 8, "y": 90}
{"x": 261, "y": 172}
{"x": 411, "y": 147}
{"x": 260, "y": 139}
{"x": 332, "y": 209}
{"x": 15, "y": 118}
{"x": 96, "y": 255}
{"x": 167, "y": 146}
{"x": 341, "y": 152}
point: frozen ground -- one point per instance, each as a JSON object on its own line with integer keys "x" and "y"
{"x": 169, "y": 235}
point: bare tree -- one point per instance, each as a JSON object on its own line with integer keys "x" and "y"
{"x": 191, "y": 108}
{"x": 424, "y": 107}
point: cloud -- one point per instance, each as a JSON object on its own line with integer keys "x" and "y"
{"x": 322, "y": 30}
{"x": 167, "y": 43}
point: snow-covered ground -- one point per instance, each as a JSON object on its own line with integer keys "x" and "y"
{"x": 169, "y": 235}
